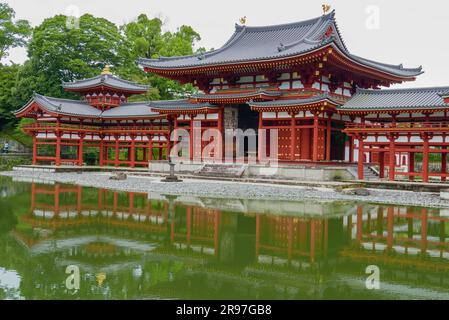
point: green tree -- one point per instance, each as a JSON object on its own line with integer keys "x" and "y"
{"x": 12, "y": 33}
{"x": 8, "y": 103}
{"x": 146, "y": 39}
{"x": 59, "y": 51}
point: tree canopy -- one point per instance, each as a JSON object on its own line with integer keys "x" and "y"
{"x": 145, "y": 38}
{"x": 62, "y": 51}
{"x": 12, "y": 33}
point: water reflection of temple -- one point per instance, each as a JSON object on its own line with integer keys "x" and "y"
{"x": 295, "y": 243}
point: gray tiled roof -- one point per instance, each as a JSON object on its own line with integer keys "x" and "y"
{"x": 179, "y": 105}
{"x": 295, "y": 102}
{"x": 236, "y": 95}
{"x": 413, "y": 98}
{"x": 65, "y": 106}
{"x": 132, "y": 109}
{"x": 136, "y": 109}
{"x": 271, "y": 42}
{"x": 445, "y": 94}
{"x": 105, "y": 80}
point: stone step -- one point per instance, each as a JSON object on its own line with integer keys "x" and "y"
{"x": 222, "y": 170}
{"x": 369, "y": 174}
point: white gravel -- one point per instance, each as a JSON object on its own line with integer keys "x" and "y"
{"x": 221, "y": 189}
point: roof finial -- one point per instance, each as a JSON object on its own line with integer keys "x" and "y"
{"x": 106, "y": 70}
{"x": 243, "y": 20}
{"x": 326, "y": 8}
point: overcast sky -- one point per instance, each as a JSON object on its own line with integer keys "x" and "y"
{"x": 392, "y": 31}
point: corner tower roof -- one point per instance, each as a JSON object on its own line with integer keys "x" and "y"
{"x": 105, "y": 80}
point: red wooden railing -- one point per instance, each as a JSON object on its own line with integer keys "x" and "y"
{"x": 55, "y": 126}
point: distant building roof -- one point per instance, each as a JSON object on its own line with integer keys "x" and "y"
{"x": 127, "y": 110}
{"x": 105, "y": 80}
{"x": 249, "y": 44}
{"x": 396, "y": 99}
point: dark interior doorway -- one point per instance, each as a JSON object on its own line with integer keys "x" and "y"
{"x": 248, "y": 119}
{"x": 338, "y": 140}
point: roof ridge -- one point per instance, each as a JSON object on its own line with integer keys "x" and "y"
{"x": 103, "y": 78}
{"x": 240, "y": 30}
{"x": 328, "y": 16}
{"x": 315, "y": 27}
{"x": 58, "y": 99}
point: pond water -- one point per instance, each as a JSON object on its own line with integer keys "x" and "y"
{"x": 145, "y": 246}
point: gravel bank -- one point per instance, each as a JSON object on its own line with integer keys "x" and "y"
{"x": 220, "y": 189}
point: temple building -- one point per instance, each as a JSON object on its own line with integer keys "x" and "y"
{"x": 299, "y": 80}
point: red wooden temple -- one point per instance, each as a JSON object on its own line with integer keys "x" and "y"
{"x": 325, "y": 103}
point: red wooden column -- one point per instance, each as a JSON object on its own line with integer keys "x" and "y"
{"x": 392, "y": 158}
{"x": 293, "y": 136}
{"x": 315, "y": 136}
{"x": 150, "y": 148}
{"x": 101, "y": 151}
{"x": 328, "y": 136}
{"x": 220, "y": 127}
{"x": 261, "y": 139}
{"x": 175, "y": 138}
{"x": 34, "y": 161}
{"x": 443, "y": 164}
{"x": 361, "y": 158}
{"x": 133, "y": 151}
{"x": 191, "y": 137}
{"x": 411, "y": 164}
{"x": 382, "y": 164}
{"x": 425, "y": 157}
{"x": 58, "y": 148}
{"x": 80, "y": 149}
{"x": 117, "y": 154}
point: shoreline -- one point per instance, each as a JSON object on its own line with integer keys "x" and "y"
{"x": 234, "y": 190}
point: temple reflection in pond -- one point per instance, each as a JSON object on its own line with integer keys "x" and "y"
{"x": 151, "y": 245}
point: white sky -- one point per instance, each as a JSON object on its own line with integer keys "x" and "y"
{"x": 409, "y": 32}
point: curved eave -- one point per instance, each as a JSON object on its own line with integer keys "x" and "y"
{"x": 156, "y": 116}
{"x": 319, "y": 105}
{"x": 235, "y": 99}
{"x": 22, "y": 112}
{"x": 314, "y": 54}
{"x": 351, "y": 62}
{"x": 206, "y": 109}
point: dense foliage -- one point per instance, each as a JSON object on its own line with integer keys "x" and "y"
{"x": 61, "y": 50}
